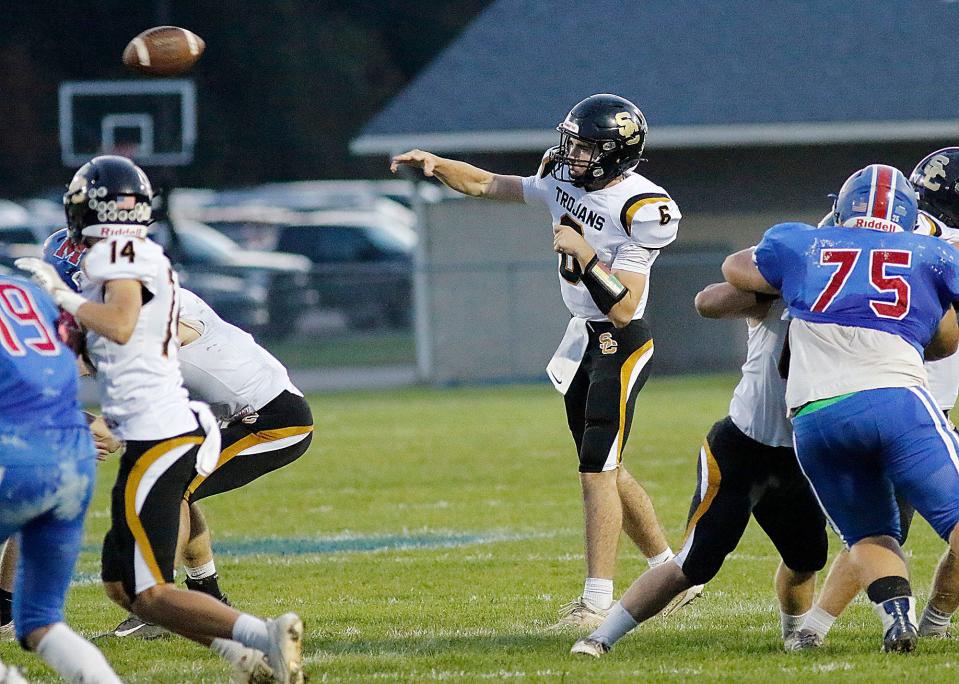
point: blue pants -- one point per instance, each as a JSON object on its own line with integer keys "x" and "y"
{"x": 861, "y": 451}
{"x": 46, "y": 480}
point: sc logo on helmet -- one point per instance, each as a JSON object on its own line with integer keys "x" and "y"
{"x": 628, "y": 128}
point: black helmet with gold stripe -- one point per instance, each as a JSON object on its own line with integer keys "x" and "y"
{"x": 600, "y": 139}
{"x": 936, "y": 180}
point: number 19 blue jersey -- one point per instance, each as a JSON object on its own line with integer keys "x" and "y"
{"x": 900, "y": 283}
{"x": 38, "y": 374}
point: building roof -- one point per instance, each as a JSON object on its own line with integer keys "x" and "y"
{"x": 741, "y": 72}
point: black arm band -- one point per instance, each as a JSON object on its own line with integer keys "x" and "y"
{"x": 603, "y": 286}
{"x": 762, "y": 297}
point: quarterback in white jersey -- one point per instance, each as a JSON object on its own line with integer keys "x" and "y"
{"x": 626, "y": 224}
{"x": 747, "y": 468}
{"x": 129, "y": 307}
{"x": 608, "y": 225}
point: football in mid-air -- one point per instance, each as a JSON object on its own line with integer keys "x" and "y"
{"x": 163, "y": 51}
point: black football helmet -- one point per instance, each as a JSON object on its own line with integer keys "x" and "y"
{"x": 108, "y": 195}
{"x": 601, "y": 138}
{"x": 936, "y": 180}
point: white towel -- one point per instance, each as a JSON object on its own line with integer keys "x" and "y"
{"x": 565, "y": 362}
{"x": 208, "y": 454}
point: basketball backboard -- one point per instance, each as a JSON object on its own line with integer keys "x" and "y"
{"x": 152, "y": 122}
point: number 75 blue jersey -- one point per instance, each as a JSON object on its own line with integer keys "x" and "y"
{"x": 899, "y": 283}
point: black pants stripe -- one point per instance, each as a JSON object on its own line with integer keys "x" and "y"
{"x": 286, "y": 418}
{"x": 602, "y": 395}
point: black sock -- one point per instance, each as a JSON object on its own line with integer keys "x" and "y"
{"x": 208, "y": 585}
{"x": 886, "y": 588}
{"x": 6, "y": 606}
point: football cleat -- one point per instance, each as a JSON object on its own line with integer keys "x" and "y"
{"x": 590, "y": 647}
{"x": 926, "y": 630}
{"x": 802, "y": 640}
{"x": 683, "y": 600}
{"x": 251, "y": 668}
{"x": 285, "y": 655}
{"x": 579, "y": 614}
{"x": 139, "y": 629}
{"x": 902, "y": 637}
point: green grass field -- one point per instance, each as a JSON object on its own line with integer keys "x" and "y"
{"x": 431, "y": 535}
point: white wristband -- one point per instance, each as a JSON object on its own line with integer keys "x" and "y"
{"x": 68, "y": 300}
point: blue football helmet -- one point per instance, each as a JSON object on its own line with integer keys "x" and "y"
{"x": 877, "y": 197}
{"x": 65, "y": 255}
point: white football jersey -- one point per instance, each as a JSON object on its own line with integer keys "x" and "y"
{"x": 758, "y": 406}
{"x": 626, "y": 223}
{"x": 943, "y": 374}
{"x": 224, "y": 366}
{"x": 829, "y": 359}
{"x": 141, "y": 391}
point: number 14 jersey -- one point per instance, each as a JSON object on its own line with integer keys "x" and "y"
{"x": 626, "y": 223}
{"x": 141, "y": 389}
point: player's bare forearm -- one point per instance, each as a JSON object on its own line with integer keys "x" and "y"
{"x": 623, "y": 311}
{"x": 946, "y": 340}
{"x": 462, "y": 177}
{"x": 741, "y": 272}
{"x": 722, "y": 300}
{"x": 117, "y": 316}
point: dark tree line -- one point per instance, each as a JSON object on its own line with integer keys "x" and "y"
{"x": 283, "y": 85}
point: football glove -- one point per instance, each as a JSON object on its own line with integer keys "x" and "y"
{"x": 46, "y": 276}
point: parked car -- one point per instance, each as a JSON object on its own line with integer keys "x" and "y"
{"x": 362, "y": 264}
{"x": 203, "y": 255}
{"x": 238, "y": 284}
{"x": 362, "y": 259}
{"x": 19, "y": 235}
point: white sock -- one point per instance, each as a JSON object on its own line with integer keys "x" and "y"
{"x": 616, "y": 625}
{"x": 251, "y": 631}
{"x": 791, "y": 623}
{"x": 660, "y": 558}
{"x": 76, "y": 659}
{"x": 933, "y": 621}
{"x": 819, "y": 621}
{"x": 231, "y": 651}
{"x": 599, "y": 592}
{"x": 201, "y": 571}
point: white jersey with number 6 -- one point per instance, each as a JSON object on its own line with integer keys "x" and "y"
{"x": 141, "y": 390}
{"x": 224, "y": 366}
{"x": 626, "y": 223}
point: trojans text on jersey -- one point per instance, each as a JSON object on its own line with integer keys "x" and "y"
{"x": 578, "y": 211}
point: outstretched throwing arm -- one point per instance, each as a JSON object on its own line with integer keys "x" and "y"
{"x": 462, "y": 177}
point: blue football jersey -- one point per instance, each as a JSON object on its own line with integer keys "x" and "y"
{"x": 900, "y": 283}
{"x": 38, "y": 374}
